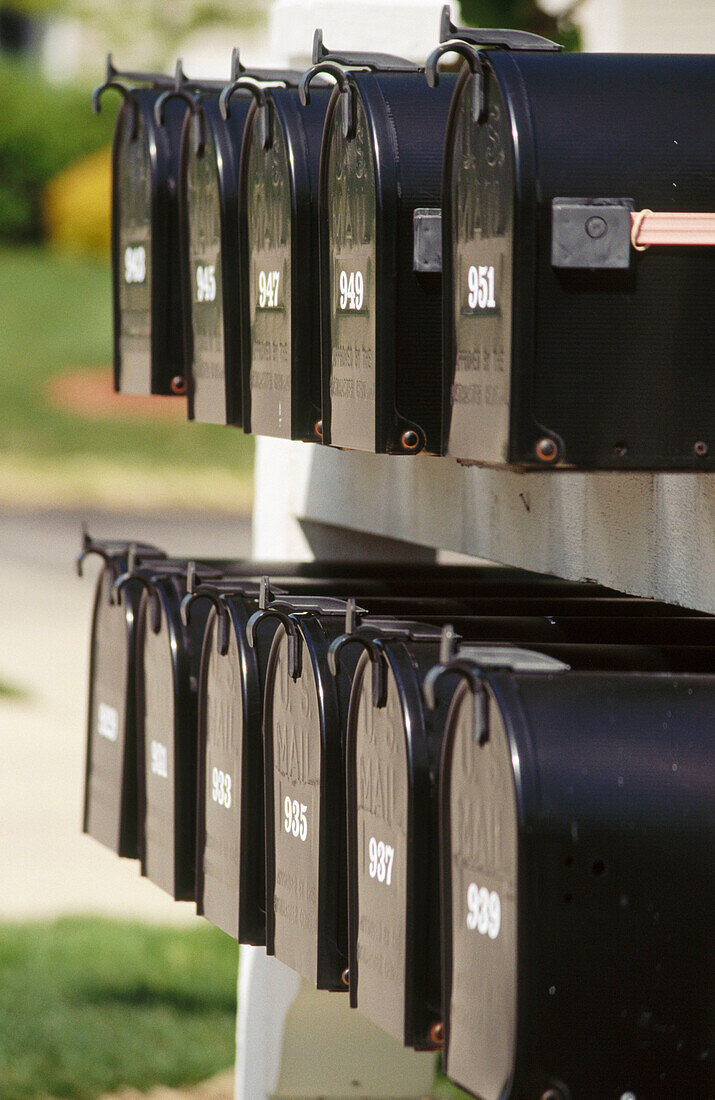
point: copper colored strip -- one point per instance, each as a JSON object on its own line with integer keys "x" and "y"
{"x": 664, "y": 228}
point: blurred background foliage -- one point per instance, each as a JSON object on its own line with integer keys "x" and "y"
{"x": 44, "y": 127}
{"x": 54, "y": 181}
{"x": 553, "y": 19}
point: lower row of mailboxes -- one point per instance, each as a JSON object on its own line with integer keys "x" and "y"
{"x": 493, "y": 833}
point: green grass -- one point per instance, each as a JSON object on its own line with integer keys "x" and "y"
{"x": 56, "y": 316}
{"x": 89, "y": 1005}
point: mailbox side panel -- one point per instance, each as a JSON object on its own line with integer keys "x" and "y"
{"x": 615, "y": 920}
{"x": 623, "y": 358}
{"x": 419, "y": 117}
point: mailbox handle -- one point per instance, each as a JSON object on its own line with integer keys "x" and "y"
{"x": 193, "y": 103}
{"x": 492, "y": 36}
{"x": 347, "y": 92}
{"x": 215, "y": 596}
{"x": 474, "y": 61}
{"x": 377, "y": 657}
{"x": 258, "y": 91}
{"x": 288, "y": 623}
{"x": 126, "y": 96}
{"x": 152, "y": 595}
{"x": 475, "y": 679}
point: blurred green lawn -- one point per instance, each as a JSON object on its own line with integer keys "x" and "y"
{"x": 89, "y": 1005}
{"x": 55, "y": 316}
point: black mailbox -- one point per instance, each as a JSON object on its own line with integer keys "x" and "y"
{"x": 393, "y": 753}
{"x": 230, "y": 866}
{"x": 167, "y": 668}
{"x": 393, "y": 749}
{"x": 230, "y": 870}
{"x": 575, "y": 820}
{"x": 566, "y": 344}
{"x": 280, "y": 296}
{"x": 208, "y": 183}
{"x": 148, "y": 342}
{"x": 110, "y": 792}
{"x": 381, "y": 285}
{"x": 304, "y": 721}
{"x": 208, "y": 198}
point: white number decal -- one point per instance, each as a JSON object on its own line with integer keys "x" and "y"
{"x": 352, "y": 290}
{"x": 268, "y": 289}
{"x": 135, "y": 264}
{"x": 221, "y": 790}
{"x": 295, "y": 820}
{"x": 483, "y": 911}
{"x": 206, "y": 283}
{"x": 159, "y": 760}
{"x": 481, "y": 288}
{"x": 381, "y": 857}
{"x": 108, "y": 722}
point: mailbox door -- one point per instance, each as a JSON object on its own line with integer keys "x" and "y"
{"x": 306, "y": 873}
{"x": 134, "y": 205}
{"x": 204, "y": 281}
{"x": 220, "y": 764}
{"x": 209, "y": 176}
{"x": 381, "y": 852}
{"x": 479, "y": 823}
{"x": 354, "y": 283}
{"x": 392, "y": 769}
{"x": 110, "y": 809}
{"x": 279, "y": 236}
{"x": 268, "y": 275}
{"x": 166, "y": 707}
{"x": 293, "y": 727}
{"x": 479, "y": 275}
{"x": 230, "y": 864}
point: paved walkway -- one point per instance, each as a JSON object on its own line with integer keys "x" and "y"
{"x": 47, "y": 867}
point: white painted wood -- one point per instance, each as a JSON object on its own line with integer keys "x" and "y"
{"x": 647, "y": 26}
{"x": 409, "y": 28}
{"x": 295, "y": 1042}
{"x": 646, "y": 534}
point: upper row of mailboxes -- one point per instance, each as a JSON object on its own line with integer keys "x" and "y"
{"x": 509, "y": 266}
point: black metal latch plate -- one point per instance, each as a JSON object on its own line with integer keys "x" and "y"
{"x": 591, "y": 233}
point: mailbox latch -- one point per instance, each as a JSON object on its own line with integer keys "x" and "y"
{"x": 428, "y": 239}
{"x": 591, "y": 233}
